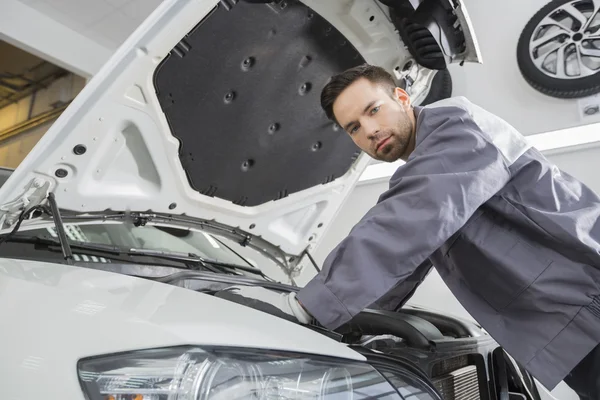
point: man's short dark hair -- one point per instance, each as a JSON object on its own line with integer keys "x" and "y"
{"x": 338, "y": 83}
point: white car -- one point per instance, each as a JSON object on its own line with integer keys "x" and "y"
{"x": 199, "y": 158}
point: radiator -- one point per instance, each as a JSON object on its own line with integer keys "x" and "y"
{"x": 461, "y": 384}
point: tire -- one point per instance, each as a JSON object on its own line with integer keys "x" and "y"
{"x": 564, "y": 88}
{"x": 440, "y": 89}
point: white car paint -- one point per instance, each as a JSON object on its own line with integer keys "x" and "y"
{"x": 53, "y": 315}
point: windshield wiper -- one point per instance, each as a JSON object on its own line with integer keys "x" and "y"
{"x": 194, "y": 258}
{"x": 114, "y": 251}
{"x": 60, "y": 229}
{"x": 119, "y": 253}
{"x": 44, "y": 241}
{"x": 234, "y": 280}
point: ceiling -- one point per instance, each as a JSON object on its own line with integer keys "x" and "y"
{"x": 107, "y": 22}
{"x": 22, "y": 73}
{"x": 497, "y": 85}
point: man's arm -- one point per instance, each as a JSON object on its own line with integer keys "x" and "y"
{"x": 397, "y": 296}
{"x": 453, "y": 171}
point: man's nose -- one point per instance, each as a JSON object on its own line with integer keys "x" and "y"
{"x": 371, "y": 129}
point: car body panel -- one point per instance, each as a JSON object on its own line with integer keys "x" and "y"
{"x": 472, "y": 52}
{"x": 60, "y": 314}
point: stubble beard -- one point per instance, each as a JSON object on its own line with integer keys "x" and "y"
{"x": 399, "y": 143}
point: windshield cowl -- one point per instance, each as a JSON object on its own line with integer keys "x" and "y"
{"x": 165, "y": 236}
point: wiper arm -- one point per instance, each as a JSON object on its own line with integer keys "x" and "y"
{"x": 234, "y": 280}
{"x": 102, "y": 250}
{"x": 194, "y": 258}
{"x": 67, "y": 247}
{"x": 58, "y": 224}
{"x": 73, "y": 245}
{"x": 60, "y": 229}
{"x": 189, "y": 258}
{"x": 247, "y": 268}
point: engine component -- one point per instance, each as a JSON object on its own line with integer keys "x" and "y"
{"x": 460, "y": 384}
{"x": 447, "y": 325}
{"x": 417, "y": 332}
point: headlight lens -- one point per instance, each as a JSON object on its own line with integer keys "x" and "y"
{"x": 190, "y": 373}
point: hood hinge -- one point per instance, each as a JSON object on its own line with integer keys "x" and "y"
{"x": 35, "y": 193}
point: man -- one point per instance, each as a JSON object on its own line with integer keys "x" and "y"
{"x": 513, "y": 237}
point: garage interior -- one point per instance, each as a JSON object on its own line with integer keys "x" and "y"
{"x": 50, "y": 49}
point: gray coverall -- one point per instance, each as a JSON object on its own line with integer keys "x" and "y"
{"x": 516, "y": 240}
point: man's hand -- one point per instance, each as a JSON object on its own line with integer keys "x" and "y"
{"x": 283, "y": 305}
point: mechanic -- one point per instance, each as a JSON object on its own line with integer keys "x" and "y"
{"x": 515, "y": 239}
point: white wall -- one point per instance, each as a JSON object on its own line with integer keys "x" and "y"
{"x": 35, "y": 31}
{"x": 497, "y": 85}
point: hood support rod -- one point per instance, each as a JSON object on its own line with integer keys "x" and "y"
{"x": 60, "y": 229}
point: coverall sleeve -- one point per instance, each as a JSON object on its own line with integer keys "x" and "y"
{"x": 397, "y": 296}
{"x": 452, "y": 171}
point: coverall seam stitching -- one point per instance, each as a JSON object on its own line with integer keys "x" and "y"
{"x": 503, "y": 197}
{"x": 594, "y": 306}
{"x": 534, "y": 222}
{"x": 555, "y": 336}
{"x": 338, "y": 300}
{"x": 480, "y": 134}
{"x": 526, "y": 288}
{"x": 529, "y": 219}
{"x": 459, "y": 233}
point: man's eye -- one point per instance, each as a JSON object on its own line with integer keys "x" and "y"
{"x": 354, "y": 129}
{"x": 375, "y": 109}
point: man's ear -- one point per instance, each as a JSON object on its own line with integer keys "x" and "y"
{"x": 402, "y": 96}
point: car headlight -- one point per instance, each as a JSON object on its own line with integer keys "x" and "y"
{"x": 192, "y": 373}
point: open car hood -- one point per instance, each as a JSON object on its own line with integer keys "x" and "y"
{"x": 211, "y": 110}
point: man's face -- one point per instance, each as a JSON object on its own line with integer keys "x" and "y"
{"x": 382, "y": 124}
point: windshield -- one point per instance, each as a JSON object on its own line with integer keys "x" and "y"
{"x": 156, "y": 238}
{"x": 148, "y": 237}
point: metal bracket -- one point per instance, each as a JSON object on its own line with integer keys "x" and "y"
{"x": 294, "y": 267}
{"x": 35, "y": 193}
{"x": 246, "y": 241}
{"x": 228, "y": 4}
{"x": 140, "y": 221}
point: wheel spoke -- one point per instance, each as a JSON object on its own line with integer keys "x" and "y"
{"x": 541, "y": 59}
{"x": 560, "y": 62}
{"x": 594, "y": 13}
{"x": 550, "y": 49}
{"x": 553, "y": 22}
{"x": 584, "y": 70}
{"x": 545, "y": 39}
{"x": 589, "y": 52}
{"x": 575, "y": 13}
